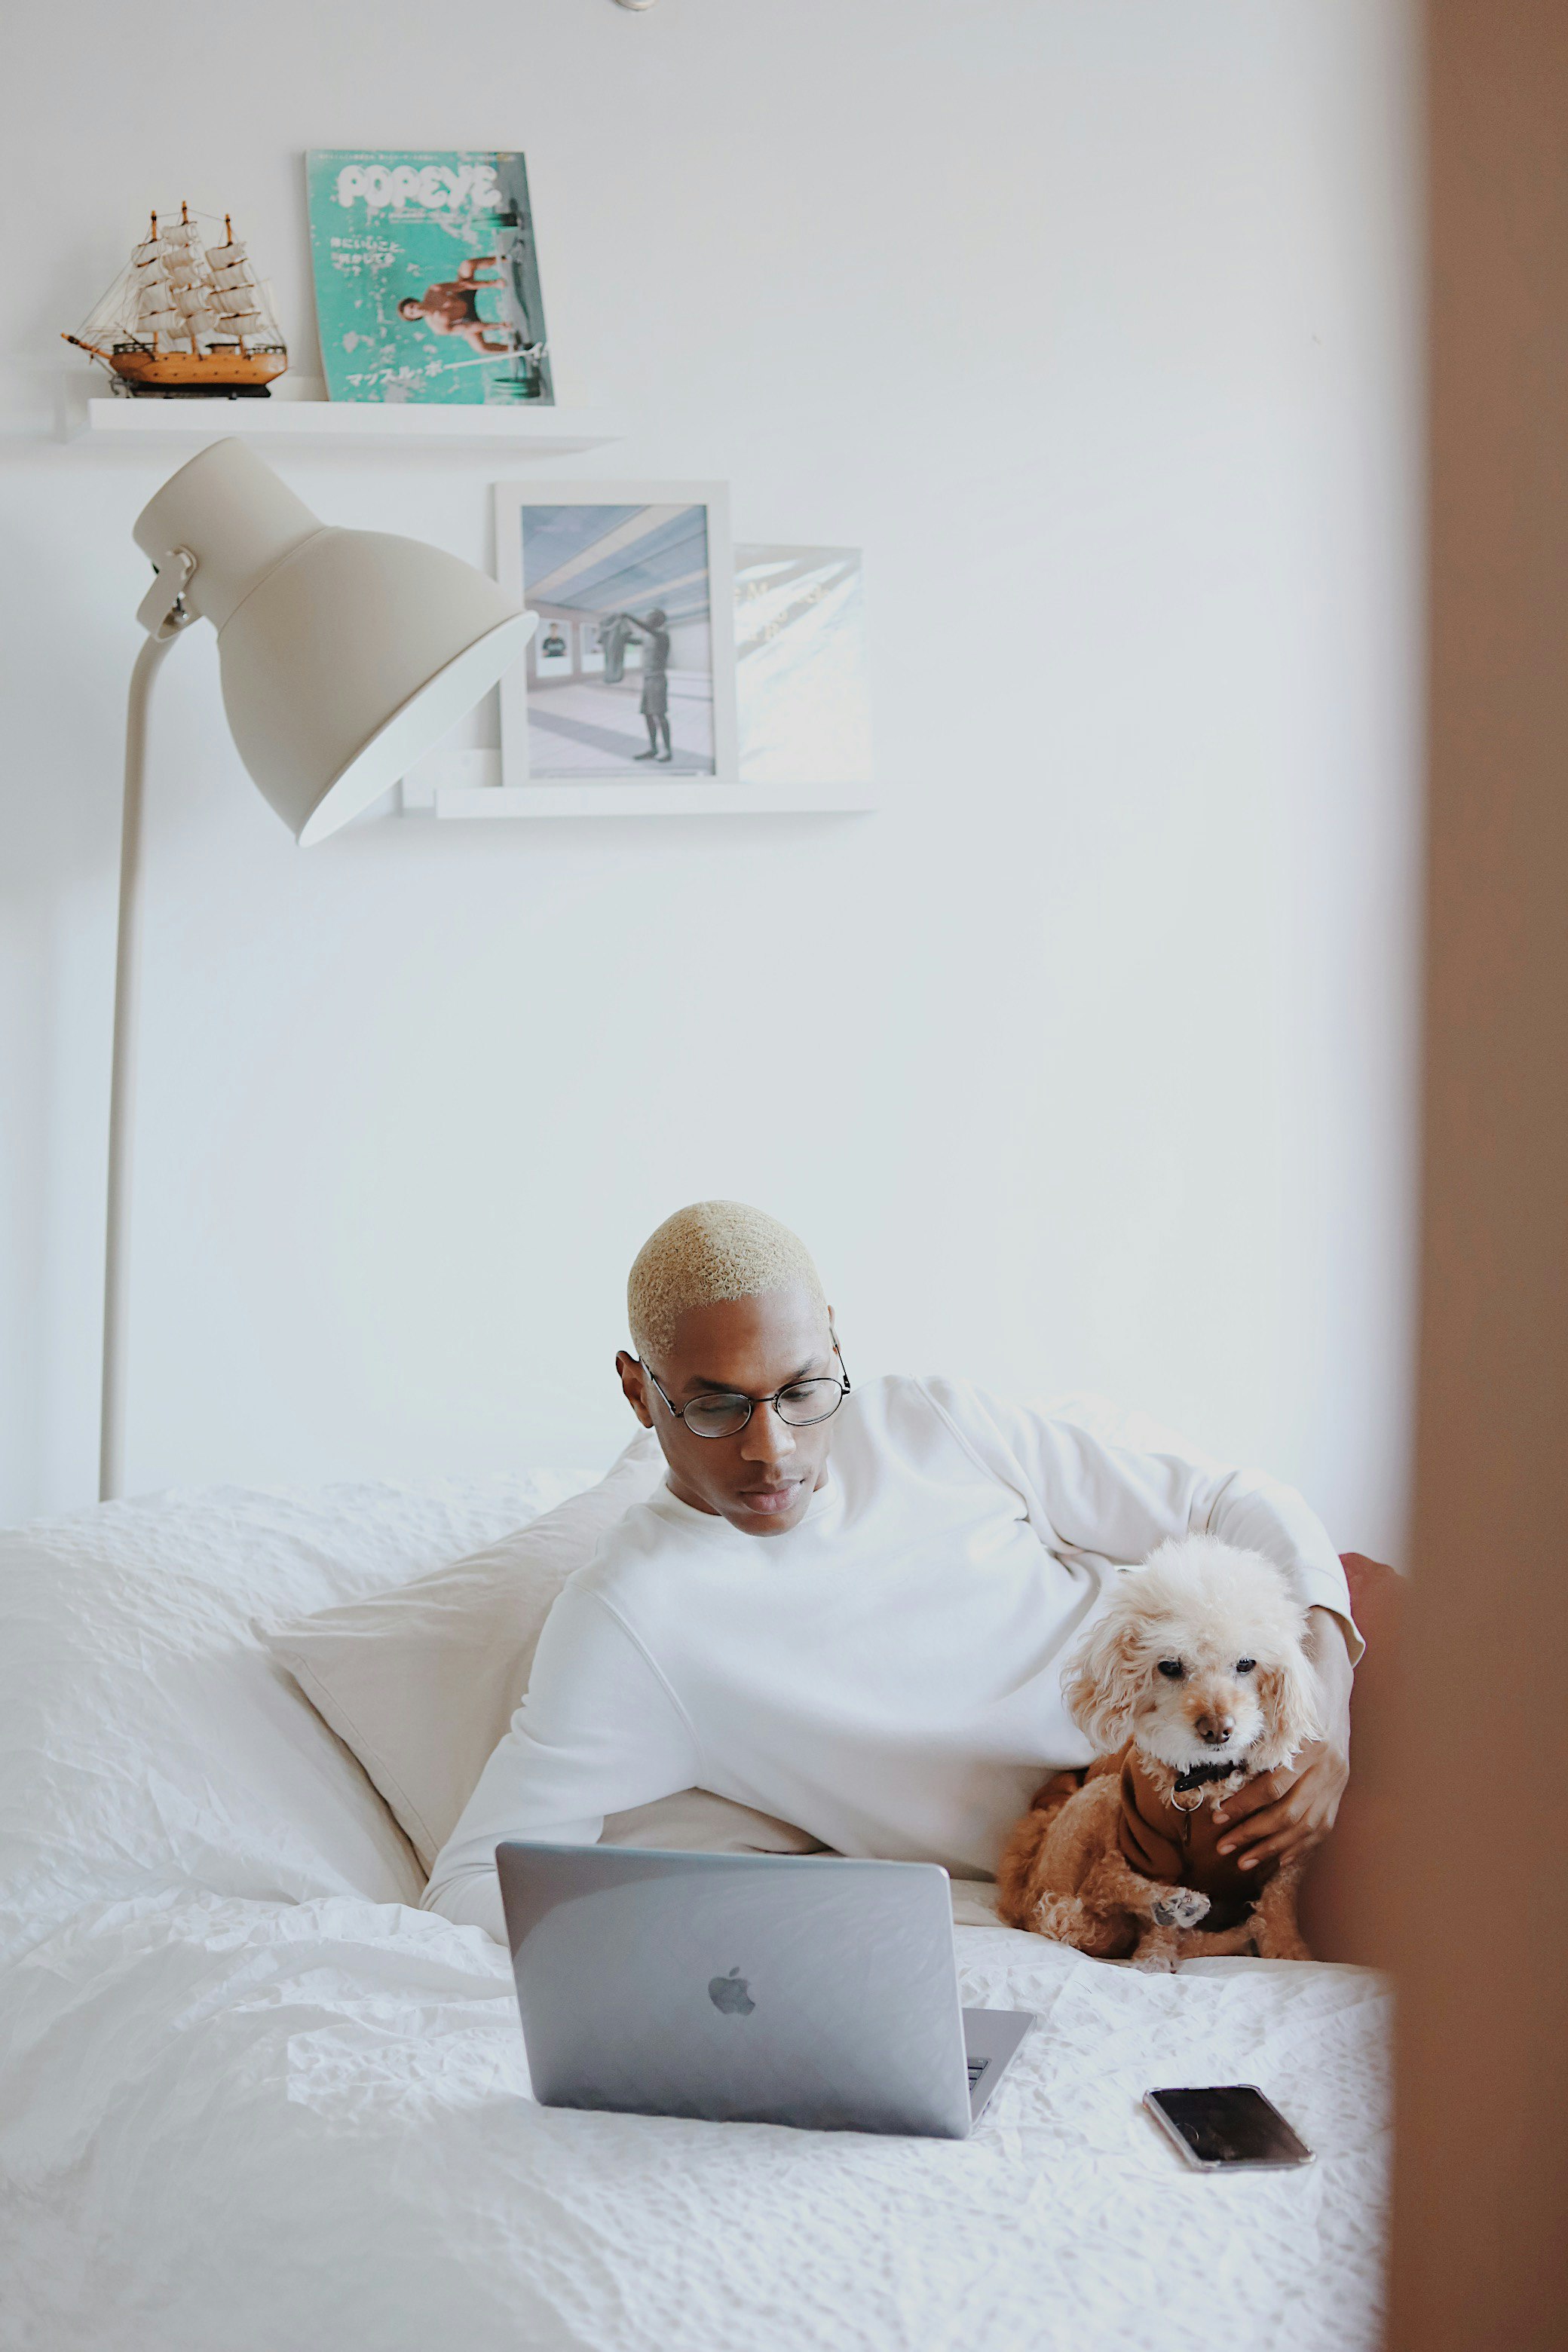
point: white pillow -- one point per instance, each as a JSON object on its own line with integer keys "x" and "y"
{"x": 147, "y": 1743}
{"x": 421, "y": 1682}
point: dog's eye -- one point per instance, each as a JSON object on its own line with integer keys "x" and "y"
{"x": 1244, "y": 1665}
{"x": 1172, "y": 1668}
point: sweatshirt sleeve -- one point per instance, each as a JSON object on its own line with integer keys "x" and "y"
{"x": 1086, "y": 1495}
{"x": 598, "y": 1732}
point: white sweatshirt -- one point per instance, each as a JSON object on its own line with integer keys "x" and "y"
{"x": 888, "y": 1675}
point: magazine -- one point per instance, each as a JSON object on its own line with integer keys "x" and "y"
{"x": 427, "y": 276}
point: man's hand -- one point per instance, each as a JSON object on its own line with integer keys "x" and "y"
{"x": 1290, "y": 1811}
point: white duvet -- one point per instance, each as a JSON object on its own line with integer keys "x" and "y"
{"x": 251, "y": 2100}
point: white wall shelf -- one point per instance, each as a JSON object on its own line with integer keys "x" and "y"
{"x": 342, "y": 424}
{"x": 467, "y": 784}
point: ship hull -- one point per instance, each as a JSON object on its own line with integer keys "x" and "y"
{"x": 192, "y": 375}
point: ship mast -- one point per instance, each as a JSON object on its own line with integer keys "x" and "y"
{"x": 234, "y": 287}
{"x": 189, "y": 279}
{"x": 228, "y": 241}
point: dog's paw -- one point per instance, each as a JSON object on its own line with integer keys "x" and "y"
{"x": 1157, "y": 1956}
{"x": 1281, "y": 1945}
{"x": 1182, "y": 1906}
{"x": 1059, "y": 1917}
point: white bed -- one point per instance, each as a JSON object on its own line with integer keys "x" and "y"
{"x": 251, "y": 2098}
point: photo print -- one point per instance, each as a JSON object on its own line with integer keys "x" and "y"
{"x": 624, "y": 678}
{"x": 802, "y": 702}
{"x": 428, "y": 277}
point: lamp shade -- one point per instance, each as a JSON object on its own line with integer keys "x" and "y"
{"x": 345, "y": 655}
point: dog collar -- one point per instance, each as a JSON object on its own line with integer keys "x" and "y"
{"x": 1196, "y": 1774}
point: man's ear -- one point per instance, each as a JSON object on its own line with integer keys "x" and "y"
{"x": 634, "y": 1383}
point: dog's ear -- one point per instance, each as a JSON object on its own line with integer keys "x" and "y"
{"x": 1289, "y": 1709}
{"x": 1103, "y": 1679}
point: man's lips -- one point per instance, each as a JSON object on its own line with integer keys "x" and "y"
{"x": 771, "y": 1499}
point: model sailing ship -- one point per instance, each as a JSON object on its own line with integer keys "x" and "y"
{"x": 187, "y": 320}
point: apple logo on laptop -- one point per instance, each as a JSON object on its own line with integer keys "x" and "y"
{"x": 730, "y": 1994}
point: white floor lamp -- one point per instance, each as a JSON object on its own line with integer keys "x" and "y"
{"x": 344, "y": 655}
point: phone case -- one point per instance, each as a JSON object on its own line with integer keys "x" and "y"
{"x": 1282, "y": 2163}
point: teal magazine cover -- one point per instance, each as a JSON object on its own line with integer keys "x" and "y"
{"x": 427, "y": 276}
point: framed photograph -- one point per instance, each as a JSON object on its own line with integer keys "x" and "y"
{"x": 428, "y": 275}
{"x": 629, "y": 679}
{"x": 803, "y": 706}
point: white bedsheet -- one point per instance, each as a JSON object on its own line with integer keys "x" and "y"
{"x": 250, "y": 2098}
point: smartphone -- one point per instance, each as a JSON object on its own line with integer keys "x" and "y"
{"x": 1227, "y": 2127}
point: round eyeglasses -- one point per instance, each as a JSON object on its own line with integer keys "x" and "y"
{"x": 799, "y": 1404}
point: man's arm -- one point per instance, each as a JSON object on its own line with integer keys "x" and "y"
{"x": 1086, "y": 1495}
{"x": 598, "y": 1733}
{"x": 1291, "y": 1810}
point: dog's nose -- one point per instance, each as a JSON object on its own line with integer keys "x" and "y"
{"x": 1216, "y": 1728}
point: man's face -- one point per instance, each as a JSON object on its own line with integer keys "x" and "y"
{"x": 762, "y": 1478}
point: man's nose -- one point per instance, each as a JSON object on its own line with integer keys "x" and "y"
{"x": 1215, "y": 1725}
{"x": 766, "y": 1437}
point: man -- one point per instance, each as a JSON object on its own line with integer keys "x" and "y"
{"x": 655, "y": 682}
{"x": 851, "y": 1609}
{"x": 452, "y": 308}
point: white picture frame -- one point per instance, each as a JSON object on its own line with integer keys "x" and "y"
{"x": 802, "y": 690}
{"x": 557, "y": 742}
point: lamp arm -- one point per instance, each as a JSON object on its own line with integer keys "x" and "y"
{"x": 122, "y": 1081}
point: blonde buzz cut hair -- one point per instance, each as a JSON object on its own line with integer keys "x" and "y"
{"x": 713, "y": 1250}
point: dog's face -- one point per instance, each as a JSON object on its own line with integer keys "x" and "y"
{"x": 1202, "y": 1702}
{"x": 1198, "y": 1659}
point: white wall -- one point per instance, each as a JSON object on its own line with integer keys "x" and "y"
{"x": 1090, "y": 319}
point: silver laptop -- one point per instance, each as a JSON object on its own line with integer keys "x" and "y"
{"x": 780, "y": 1988}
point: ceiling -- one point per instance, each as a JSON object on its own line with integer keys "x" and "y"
{"x": 602, "y": 559}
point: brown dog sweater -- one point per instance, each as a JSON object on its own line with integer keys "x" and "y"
{"x": 1182, "y": 1848}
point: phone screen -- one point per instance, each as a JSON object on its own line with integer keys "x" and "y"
{"x": 1227, "y": 2122}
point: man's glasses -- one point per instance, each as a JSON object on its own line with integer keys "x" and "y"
{"x": 799, "y": 1404}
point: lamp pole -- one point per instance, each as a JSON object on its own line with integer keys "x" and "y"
{"x": 121, "y": 1085}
